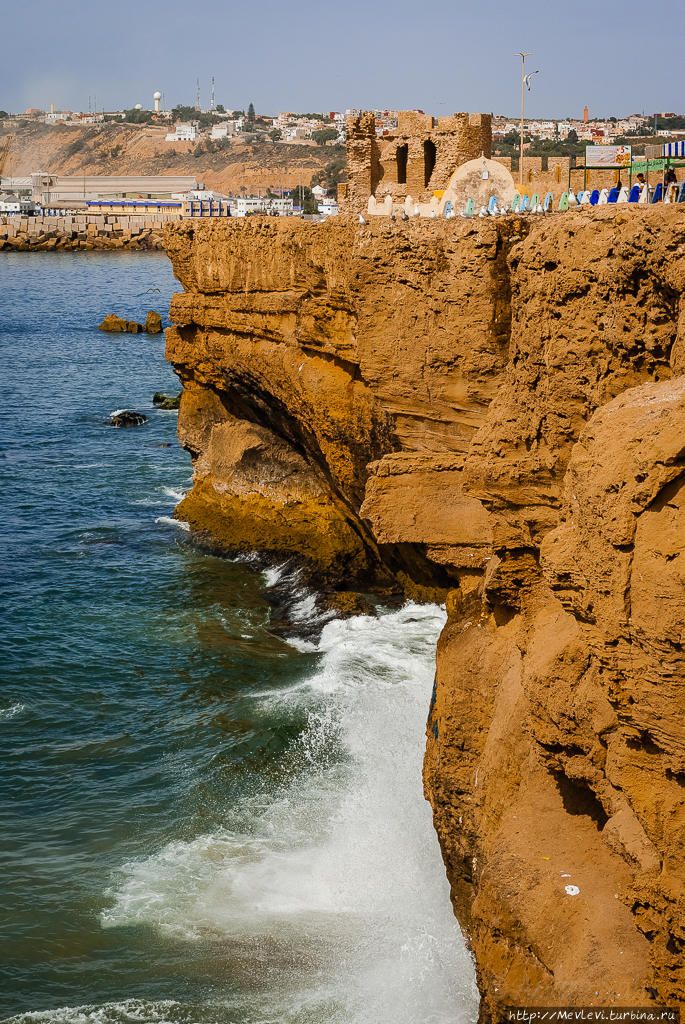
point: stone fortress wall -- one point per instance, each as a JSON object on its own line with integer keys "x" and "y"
{"x": 555, "y": 177}
{"x": 418, "y": 158}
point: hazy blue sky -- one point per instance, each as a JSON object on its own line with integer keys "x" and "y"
{"x": 618, "y": 56}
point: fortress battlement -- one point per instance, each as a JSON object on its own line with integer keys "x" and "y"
{"x": 418, "y": 158}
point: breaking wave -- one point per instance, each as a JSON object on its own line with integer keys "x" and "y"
{"x": 334, "y": 877}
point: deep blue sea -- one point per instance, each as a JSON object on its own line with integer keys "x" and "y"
{"x": 201, "y": 822}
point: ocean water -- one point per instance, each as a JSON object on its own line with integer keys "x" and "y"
{"x": 201, "y": 822}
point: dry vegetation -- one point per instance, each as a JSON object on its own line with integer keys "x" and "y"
{"x": 142, "y": 149}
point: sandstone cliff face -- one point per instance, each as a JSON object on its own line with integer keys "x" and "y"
{"x": 491, "y": 412}
{"x": 373, "y": 355}
{"x": 555, "y": 739}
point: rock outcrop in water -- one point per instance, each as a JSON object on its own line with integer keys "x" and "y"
{"x": 492, "y": 413}
{"x": 118, "y": 325}
{"x": 127, "y": 418}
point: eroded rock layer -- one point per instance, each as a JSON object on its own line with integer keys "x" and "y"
{"x": 493, "y": 413}
{"x": 368, "y": 356}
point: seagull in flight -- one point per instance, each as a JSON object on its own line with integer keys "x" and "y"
{"x": 527, "y": 79}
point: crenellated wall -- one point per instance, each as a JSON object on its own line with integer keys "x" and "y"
{"x": 416, "y": 159}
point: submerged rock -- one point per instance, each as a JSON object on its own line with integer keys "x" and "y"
{"x": 163, "y": 401}
{"x": 128, "y": 418}
{"x": 153, "y": 322}
{"x": 347, "y": 603}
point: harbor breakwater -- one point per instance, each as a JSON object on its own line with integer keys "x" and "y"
{"x": 489, "y": 413}
{"x": 81, "y": 231}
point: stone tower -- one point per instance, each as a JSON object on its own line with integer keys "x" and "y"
{"x": 418, "y": 158}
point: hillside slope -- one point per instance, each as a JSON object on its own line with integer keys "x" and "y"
{"x": 141, "y": 149}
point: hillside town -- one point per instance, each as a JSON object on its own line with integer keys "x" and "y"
{"x": 215, "y": 130}
{"x": 217, "y": 123}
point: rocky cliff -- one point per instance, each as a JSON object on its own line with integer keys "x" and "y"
{"x": 490, "y": 413}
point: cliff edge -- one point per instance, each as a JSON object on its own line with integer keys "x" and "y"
{"x": 488, "y": 413}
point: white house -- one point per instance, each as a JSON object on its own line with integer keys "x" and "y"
{"x": 329, "y": 207}
{"x": 261, "y": 204}
{"x": 197, "y": 193}
{"x": 283, "y": 207}
{"x": 319, "y": 192}
{"x": 9, "y": 203}
{"x": 184, "y": 131}
{"x": 222, "y": 131}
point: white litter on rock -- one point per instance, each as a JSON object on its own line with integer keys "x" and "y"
{"x": 572, "y": 890}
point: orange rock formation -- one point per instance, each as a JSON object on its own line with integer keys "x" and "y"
{"x": 491, "y": 412}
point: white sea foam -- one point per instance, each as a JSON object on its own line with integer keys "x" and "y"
{"x": 171, "y": 492}
{"x": 117, "y": 412}
{"x": 173, "y": 522}
{"x": 273, "y": 574}
{"x": 128, "y": 1011}
{"x": 11, "y": 711}
{"x": 336, "y": 875}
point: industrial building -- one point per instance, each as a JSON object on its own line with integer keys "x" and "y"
{"x": 76, "y": 190}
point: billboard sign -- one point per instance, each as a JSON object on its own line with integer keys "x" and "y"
{"x": 607, "y": 156}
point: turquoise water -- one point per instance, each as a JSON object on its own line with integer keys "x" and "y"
{"x": 201, "y": 822}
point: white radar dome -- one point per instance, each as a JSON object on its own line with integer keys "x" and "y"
{"x": 157, "y": 96}
{"x": 138, "y": 106}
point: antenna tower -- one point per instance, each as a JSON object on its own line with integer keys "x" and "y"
{"x": 198, "y": 94}
{"x": 212, "y": 92}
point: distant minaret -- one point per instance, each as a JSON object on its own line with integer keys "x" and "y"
{"x": 586, "y": 114}
{"x": 212, "y": 92}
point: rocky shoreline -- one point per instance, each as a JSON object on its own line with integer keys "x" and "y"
{"x": 489, "y": 414}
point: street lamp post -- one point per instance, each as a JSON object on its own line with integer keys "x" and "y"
{"x": 523, "y": 82}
